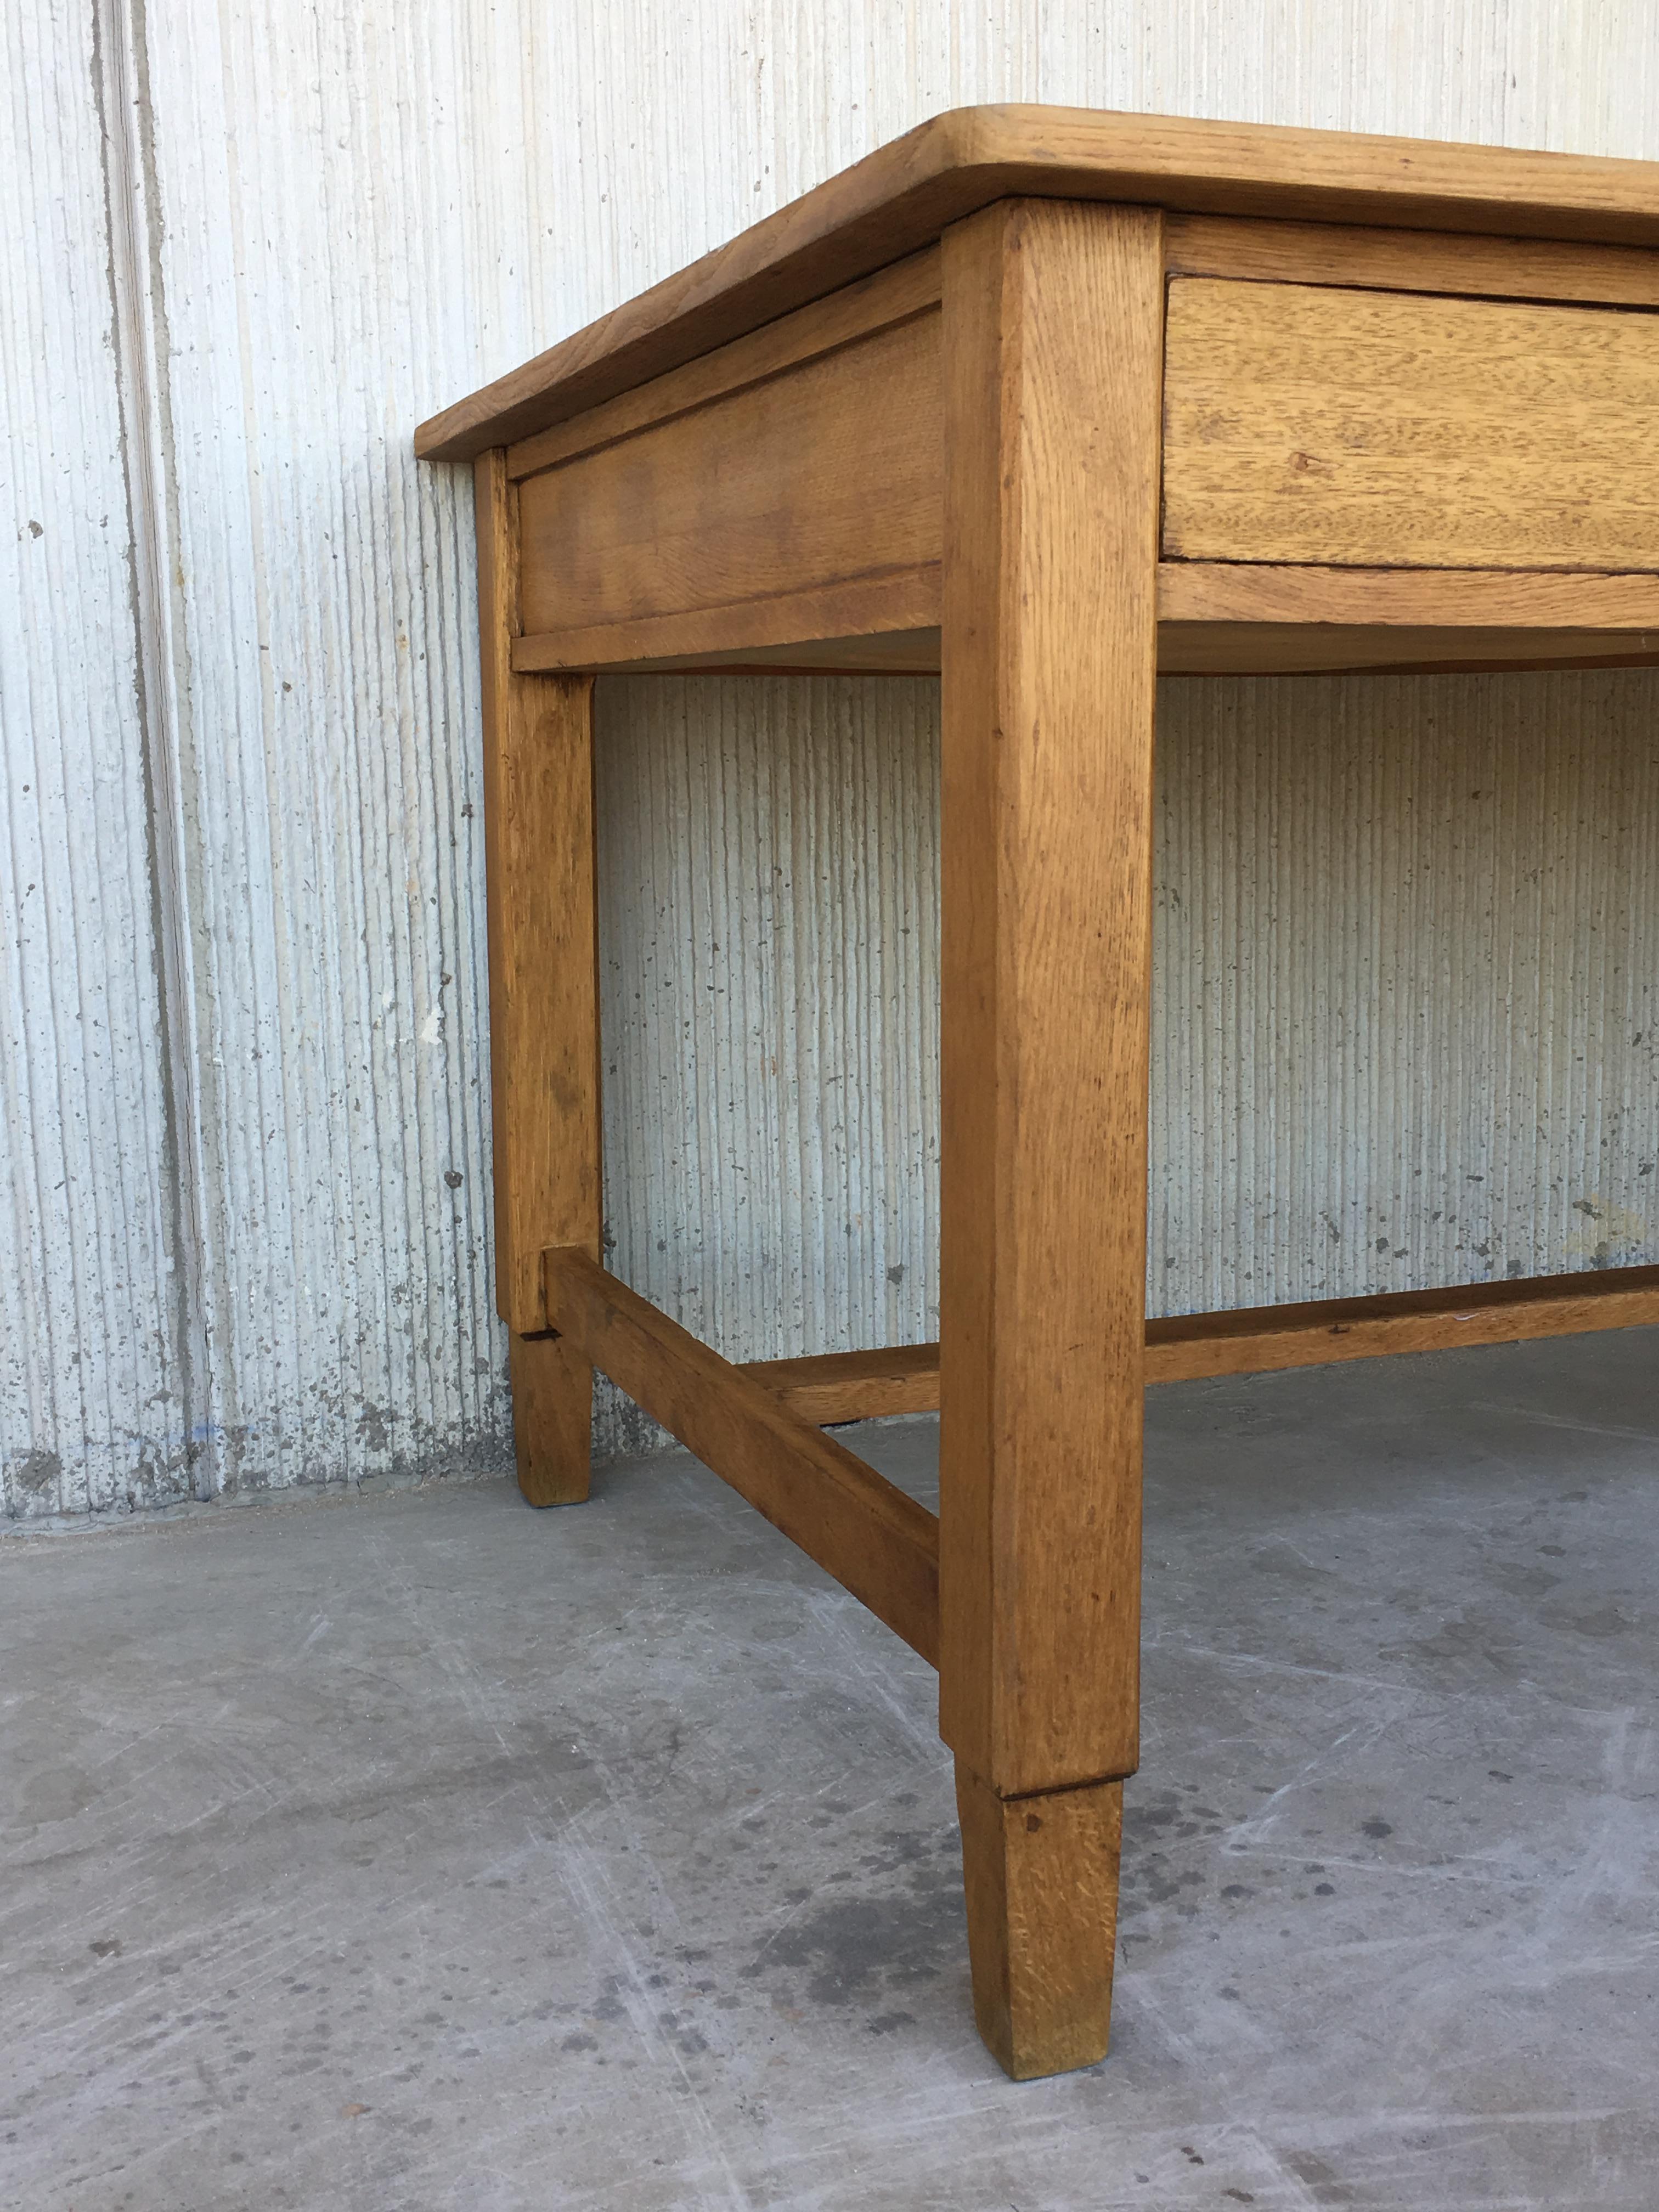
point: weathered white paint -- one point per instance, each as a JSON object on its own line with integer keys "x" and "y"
{"x": 1407, "y": 1007}
{"x": 246, "y": 999}
{"x": 768, "y": 942}
{"x": 91, "y": 1361}
{"x": 1407, "y": 1000}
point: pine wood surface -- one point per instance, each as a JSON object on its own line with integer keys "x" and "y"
{"x": 1052, "y": 318}
{"x": 1284, "y": 649}
{"x": 854, "y": 1386}
{"x": 781, "y": 487}
{"x": 543, "y": 932}
{"x": 552, "y": 1418}
{"x": 1306, "y": 423}
{"x": 1233, "y": 618}
{"x": 1040, "y": 1874}
{"x": 1214, "y": 618}
{"x": 1410, "y": 260}
{"x": 902, "y": 651}
{"x": 859, "y": 608}
{"x": 1313, "y": 597}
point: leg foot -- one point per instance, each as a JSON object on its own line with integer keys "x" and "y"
{"x": 1041, "y": 1874}
{"x": 552, "y": 1418}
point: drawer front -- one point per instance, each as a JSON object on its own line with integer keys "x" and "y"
{"x": 1305, "y": 424}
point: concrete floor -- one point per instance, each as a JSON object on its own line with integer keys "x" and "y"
{"x": 427, "y": 1852}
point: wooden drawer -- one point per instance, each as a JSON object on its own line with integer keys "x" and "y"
{"x": 1377, "y": 429}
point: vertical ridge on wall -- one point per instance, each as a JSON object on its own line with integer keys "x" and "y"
{"x": 91, "y": 1396}
{"x": 338, "y": 848}
{"x": 141, "y": 356}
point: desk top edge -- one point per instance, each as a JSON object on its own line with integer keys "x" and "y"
{"x": 900, "y": 198}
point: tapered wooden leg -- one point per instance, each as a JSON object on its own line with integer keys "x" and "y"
{"x": 543, "y": 1002}
{"x": 552, "y": 1399}
{"x": 1040, "y": 1874}
{"x": 1052, "y": 343}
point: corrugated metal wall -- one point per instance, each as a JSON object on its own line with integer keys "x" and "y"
{"x": 92, "y": 1376}
{"x": 244, "y": 1218}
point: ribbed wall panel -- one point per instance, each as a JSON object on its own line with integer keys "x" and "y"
{"x": 351, "y": 216}
{"x": 1405, "y": 1022}
{"x": 1406, "y": 949}
{"x": 91, "y": 1408}
{"x": 332, "y": 779}
{"x": 770, "y": 962}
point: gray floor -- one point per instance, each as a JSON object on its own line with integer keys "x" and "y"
{"x": 431, "y": 1852}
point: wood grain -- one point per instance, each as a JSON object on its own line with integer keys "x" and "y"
{"x": 1410, "y": 261}
{"x": 544, "y": 1001}
{"x": 876, "y": 653}
{"x": 543, "y": 932}
{"x": 1052, "y": 324}
{"x": 1281, "y": 649}
{"x": 1218, "y": 618}
{"x": 877, "y": 1542}
{"x": 902, "y": 600}
{"x": 552, "y": 1418}
{"x": 1253, "y": 1342}
{"x": 1040, "y": 1874}
{"x": 1214, "y": 617}
{"x": 858, "y": 311}
{"x": 1205, "y": 593}
{"x": 1351, "y": 428}
{"x": 826, "y": 473}
{"x": 901, "y": 198}
{"x": 855, "y": 1386}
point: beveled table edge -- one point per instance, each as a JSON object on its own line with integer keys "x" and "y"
{"x": 902, "y": 196}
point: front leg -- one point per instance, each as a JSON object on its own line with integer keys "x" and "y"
{"x": 1052, "y": 338}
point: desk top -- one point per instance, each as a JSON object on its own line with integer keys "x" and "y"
{"x": 899, "y": 199}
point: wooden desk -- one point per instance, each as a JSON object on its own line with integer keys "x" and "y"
{"x": 1047, "y": 401}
